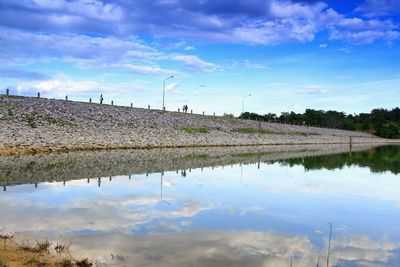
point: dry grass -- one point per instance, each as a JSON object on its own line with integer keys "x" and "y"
{"x": 83, "y": 263}
{"x": 63, "y": 247}
{"x": 37, "y": 253}
{"x": 35, "y": 247}
{"x": 5, "y": 236}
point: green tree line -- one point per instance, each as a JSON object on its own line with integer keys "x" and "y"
{"x": 381, "y": 122}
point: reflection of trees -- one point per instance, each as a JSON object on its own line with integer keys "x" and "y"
{"x": 379, "y": 159}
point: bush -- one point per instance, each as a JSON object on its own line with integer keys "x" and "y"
{"x": 389, "y": 130}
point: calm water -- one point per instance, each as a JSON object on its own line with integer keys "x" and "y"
{"x": 256, "y": 213}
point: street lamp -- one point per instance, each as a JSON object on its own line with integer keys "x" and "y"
{"x": 243, "y": 102}
{"x": 163, "y": 96}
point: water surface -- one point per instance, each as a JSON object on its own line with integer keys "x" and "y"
{"x": 267, "y": 207}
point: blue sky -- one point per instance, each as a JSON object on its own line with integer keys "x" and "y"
{"x": 289, "y": 55}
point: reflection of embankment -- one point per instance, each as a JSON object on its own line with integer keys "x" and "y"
{"x": 68, "y": 166}
{"x": 378, "y": 159}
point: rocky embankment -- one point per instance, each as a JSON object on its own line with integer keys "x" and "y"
{"x": 29, "y": 125}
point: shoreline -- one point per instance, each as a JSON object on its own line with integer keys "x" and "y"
{"x": 17, "y": 151}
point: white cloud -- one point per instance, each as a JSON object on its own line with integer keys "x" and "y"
{"x": 78, "y": 47}
{"x": 231, "y": 248}
{"x": 92, "y": 8}
{"x": 125, "y": 214}
{"x": 268, "y": 22}
{"x": 149, "y": 69}
{"x": 190, "y": 48}
{"x": 312, "y": 89}
{"x": 82, "y": 51}
{"x": 346, "y": 49}
{"x": 357, "y": 247}
{"x": 270, "y": 32}
{"x": 193, "y": 62}
{"x": 252, "y": 65}
{"x": 172, "y": 86}
{"x": 373, "y": 8}
{"x": 359, "y": 31}
{"x": 59, "y": 87}
{"x": 248, "y": 210}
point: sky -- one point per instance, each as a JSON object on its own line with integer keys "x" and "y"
{"x": 288, "y": 55}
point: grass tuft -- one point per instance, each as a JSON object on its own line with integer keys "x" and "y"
{"x": 83, "y": 263}
{"x": 67, "y": 263}
{"x": 3, "y": 263}
{"x": 304, "y": 134}
{"x": 192, "y": 130}
{"x": 59, "y": 122}
{"x": 63, "y": 247}
{"x": 38, "y": 247}
{"x": 5, "y": 237}
{"x": 252, "y": 131}
{"x": 7, "y": 106}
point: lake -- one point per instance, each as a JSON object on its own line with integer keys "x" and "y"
{"x": 247, "y": 206}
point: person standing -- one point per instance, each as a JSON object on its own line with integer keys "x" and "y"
{"x": 101, "y": 99}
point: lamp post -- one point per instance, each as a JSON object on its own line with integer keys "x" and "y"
{"x": 163, "y": 96}
{"x": 243, "y": 102}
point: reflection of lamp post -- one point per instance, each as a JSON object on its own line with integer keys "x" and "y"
{"x": 243, "y": 102}
{"x": 163, "y": 96}
{"x": 241, "y": 175}
{"x": 161, "y": 191}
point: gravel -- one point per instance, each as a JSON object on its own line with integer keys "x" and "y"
{"x": 38, "y": 122}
